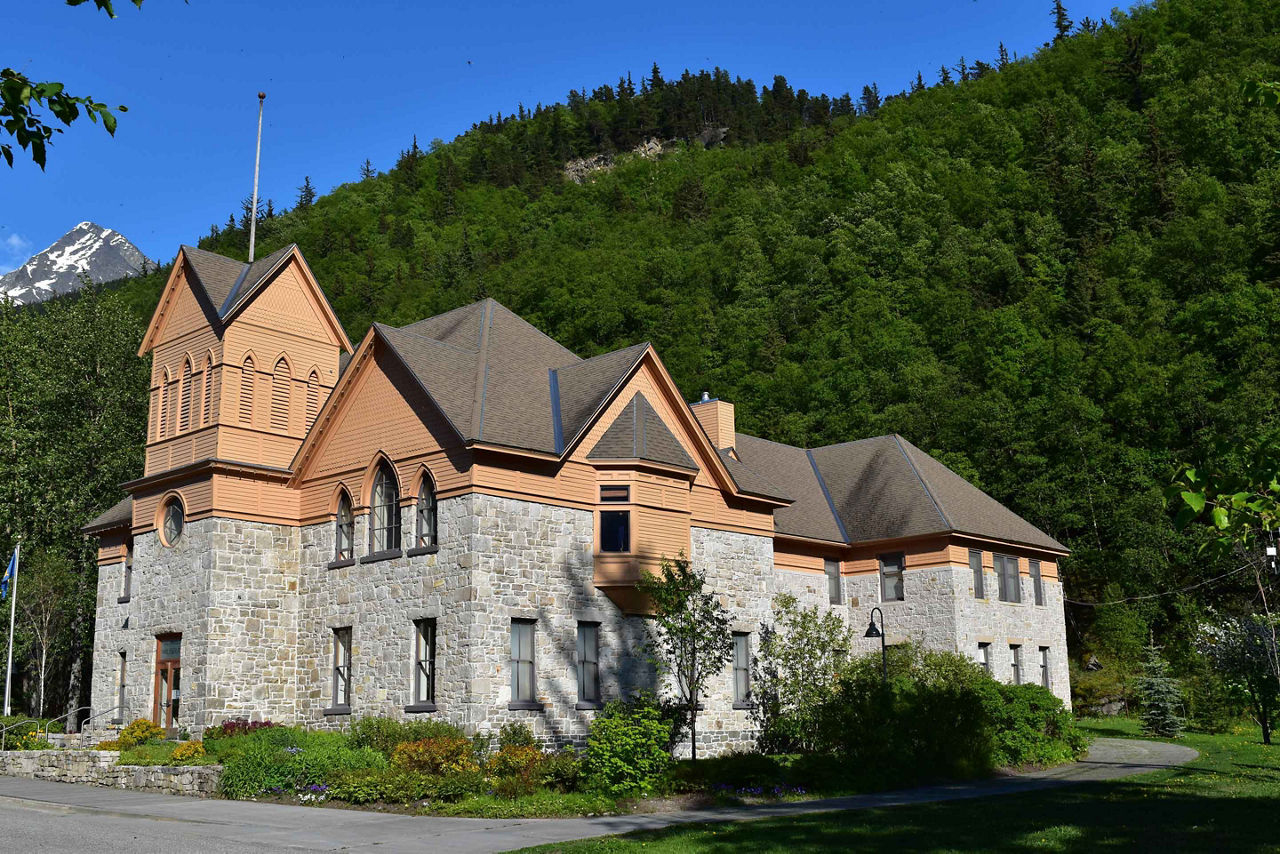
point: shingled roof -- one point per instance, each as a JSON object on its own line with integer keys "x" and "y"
{"x": 229, "y": 283}
{"x": 638, "y": 433}
{"x": 882, "y": 488}
{"x": 119, "y": 515}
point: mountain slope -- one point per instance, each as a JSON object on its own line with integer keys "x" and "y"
{"x": 87, "y": 250}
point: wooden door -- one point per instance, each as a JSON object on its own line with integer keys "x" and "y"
{"x": 168, "y": 680}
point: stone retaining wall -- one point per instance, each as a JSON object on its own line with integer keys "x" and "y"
{"x": 98, "y": 768}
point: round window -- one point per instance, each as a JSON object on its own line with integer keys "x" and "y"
{"x": 173, "y": 522}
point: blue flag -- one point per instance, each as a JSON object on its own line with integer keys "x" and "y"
{"x": 9, "y": 574}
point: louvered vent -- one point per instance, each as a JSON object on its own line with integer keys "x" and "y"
{"x": 247, "y": 378}
{"x": 184, "y": 411}
{"x": 313, "y": 398}
{"x": 281, "y": 381}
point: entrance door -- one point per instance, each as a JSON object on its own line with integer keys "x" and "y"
{"x": 168, "y": 680}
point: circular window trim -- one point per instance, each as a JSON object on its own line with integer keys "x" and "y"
{"x": 169, "y": 500}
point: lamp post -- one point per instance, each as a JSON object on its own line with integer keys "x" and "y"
{"x": 874, "y": 631}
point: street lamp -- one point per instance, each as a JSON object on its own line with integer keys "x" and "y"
{"x": 874, "y": 631}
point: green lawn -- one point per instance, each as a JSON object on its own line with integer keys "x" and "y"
{"x": 1227, "y": 800}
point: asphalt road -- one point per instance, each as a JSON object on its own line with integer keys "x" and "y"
{"x": 38, "y": 816}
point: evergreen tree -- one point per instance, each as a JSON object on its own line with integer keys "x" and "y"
{"x": 306, "y": 194}
{"x": 917, "y": 85}
{"x": 1160, "y": 695}
{"x": 944, "y": 76}
{"x": 1002, "y": 58}
{"x": 1061, "y": 22}
{"x": 367, "y": 171}
{"x": 962, "y": 69}
{"x": 870, "y": 100}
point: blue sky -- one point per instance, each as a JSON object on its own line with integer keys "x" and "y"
{"x": 350, "y": 80}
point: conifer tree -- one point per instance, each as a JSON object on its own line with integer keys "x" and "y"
{"x": 870, "y": 100}
{"x": 917, "y": 85}
{"x": 306, "y": 194}
{"x": 1061, "y": 22}
{"x": 366, "y": 170}
{"x": 1002, "y": 58}
{"x": 1161, "y": 696}
{"x": 944, "y": 76}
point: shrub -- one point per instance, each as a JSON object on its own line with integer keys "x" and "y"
{"x": 109, "y": 744}
{"x": 233, "y": 727}
{"x": 627, "y": 748}
{"x": 515, "y": 759}
{"x": 385, "y": 735}
{"x": 283, "y": 758}
{"x": 187, "y": 752}
{"x": 139, "y": 732}
{"x": 1032, "y": 727}
{"x": 459, "y": 785}
{"x": 516, "y": 735}
{"x": 438, "y": 755}
{"x": 561, "y": 771}
{"x": 514, "y": 787}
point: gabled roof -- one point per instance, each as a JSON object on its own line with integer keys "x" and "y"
{"x": 120, "y": 515}
{"x": 583, "y": 386}
{"x": 639, "y": 433}
{"x": 882, "y": 488}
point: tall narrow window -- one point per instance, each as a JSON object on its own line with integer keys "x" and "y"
{"x": 248, "y": 379}
{"x": 126, "y": 588}
{"x": 589, "y": 664}
{"x": 424, "y": 663}
{"x": 975, "y": 564}
{"x": 384, "y": 511}
{"x": 741, "y": 669}
{"x": 206, "y": 399}
{"x": 1036, "y": 581}
{"x": 118, "y": 717}
{"x": 523, "y": 673}
{"x": 1015, "y": 657}
{"x": 187, "y": 390}
{"x": 281, "y": 389}
{"x": 835, "y": 593}
{"x": 342, "y": 669}
{"x": 344, "y": 530}
{"x": 984, "y": 656}
{"x": 426, "y": 513}
{"x": 891, "y": 577}
{"x": 313, "y": 398}
{"x": 1044, "y": 666}
{"x": 164, "y": 404}
{"x": 1007, "y": 575}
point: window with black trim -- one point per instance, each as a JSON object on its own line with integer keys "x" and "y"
{"x": 1044, "y": 666}
{"x": 891, "y": 577}
{"x": 615, "y": 493}
{"x": 1015, "y": 656}
{"x": 1007, "y": 574}
{"x": 984, "y": 656}
{"x": 342, "y": 668}
{"x": 344, "y": 530}
{"x": 384, "y": 511}
{"x": 615, "y": 530}
{"x": 126, "y": 587}
{"x": 425, "y": 516}
{"x": 424, "y": 662}
{"x": 523, "y": 672}
{"x": 741, "y": 669}
{"x": 1037, "y": 582}
{"x": 173, "y": 522}
{"x": 118, "y": 717}
{"x": 979, "y": 583}
{"x": 589, "y": 663}
{"x": 835, "y": 592}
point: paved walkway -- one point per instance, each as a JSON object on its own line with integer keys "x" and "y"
{"x": 38, "y": 816}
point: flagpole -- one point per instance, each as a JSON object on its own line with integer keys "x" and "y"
{"x": 13, "y": 602}
{"x": 257, "y": 158}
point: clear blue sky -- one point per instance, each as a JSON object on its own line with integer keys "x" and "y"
{"x": 356, "y": 79}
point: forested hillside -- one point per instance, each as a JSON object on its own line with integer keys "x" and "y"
{"x": 1057, "y": 274}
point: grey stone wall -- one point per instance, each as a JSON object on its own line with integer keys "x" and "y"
{"x": 99, "y": 768}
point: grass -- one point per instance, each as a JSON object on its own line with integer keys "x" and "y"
{"x": 1224, "y": 801}
{"x": 542, "y": 804}
{"x": 159, "y": 753}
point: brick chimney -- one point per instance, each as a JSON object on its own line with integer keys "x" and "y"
{"x": 716, "y": 417}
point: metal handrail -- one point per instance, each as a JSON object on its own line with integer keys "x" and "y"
{"x": 65, "y": 717}
{"x": 4, "y": 733}
{"x": 98, "y": 715}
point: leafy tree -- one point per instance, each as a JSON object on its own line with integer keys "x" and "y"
{"x": 689, "y": 636}
{"x": 798, "y": 662}
{"x": 1161, "y": 696}
{"x": 21, "y": 99}
{"x": 1243, "y": 650}
{"x": 46, "y": 589}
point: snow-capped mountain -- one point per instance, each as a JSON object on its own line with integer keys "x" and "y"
{"x": 88, "y": 249}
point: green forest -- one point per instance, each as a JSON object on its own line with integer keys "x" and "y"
{"x": 1056, "y": 273}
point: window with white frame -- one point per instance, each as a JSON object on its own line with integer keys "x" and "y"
{"x": 741, "y": 669}
{"x": 344, "y": 530}
{"x": 523, "y": 671}
{"x": 342, "y": 668}
{"x": 424, "y": 662}
{"x": 1044, "y": 666}
{"x": 384, "y": 511}
{"x": 126, "y": 587}
{"x": 1015, "y": 659}
{"x": 120, "y": 687}
{"x": 984, "y": 656}
{"x": 891, "y": 577}
{"x": 425, "y": 514}
{"x": 589, "y": 663}
{"x": 835, "y": 593}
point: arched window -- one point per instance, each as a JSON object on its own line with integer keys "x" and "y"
{"x": 344, "y": 530}
{"x": 185, "y": 392}
{"x": 313, "y": 398}
{"x": 172, "y": 522}
{"x": 426, "y": 513}
{"x": 207, "y": 398}
{"x": 384, "y": 511}
{"x": 164, "y": 405}
{"x": 281, "y": 381}
{"x": 247, "y": 380}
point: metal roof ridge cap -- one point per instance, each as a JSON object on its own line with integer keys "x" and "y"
{"x": 897, "y": 440}
{"x": 831, "y": 504}
{"x": 482, "y": 371}
{"x": 557, "y": 422}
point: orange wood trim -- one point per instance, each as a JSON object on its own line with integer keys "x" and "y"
{"x": 339, "y": 398}
{"x": 166, "y": 301}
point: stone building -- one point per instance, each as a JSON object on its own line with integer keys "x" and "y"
{"x": 451, "y": 518}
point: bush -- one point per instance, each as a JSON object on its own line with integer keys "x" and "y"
{"x": 139, "y": 732}
{"x": 235, "y": 727}
{"x": 561, "y": 771}
{"x": 515, "y": 759}
{"x": 385, "y": 735}
{"x": 283, "y": 758}
{"x": 1032, "y": 727}
{"x": 187, "y": 752}
{"x": 439, "y": 755}
{"x": 627, "y": 749}
{"x": 516, "y": 735}
{"x": 108, "y": 744}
